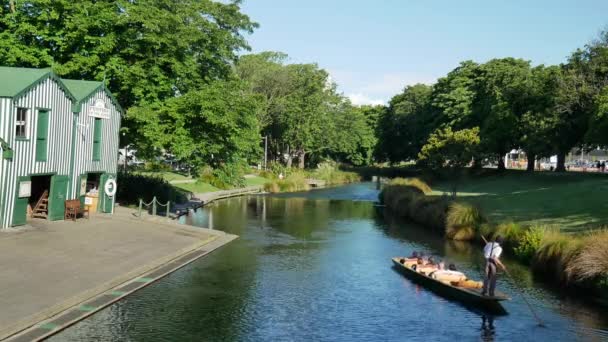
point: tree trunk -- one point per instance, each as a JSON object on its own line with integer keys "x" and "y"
{"x": 561, "y": 162}
{"x": 501, "y": 162}
{"x": 289, "y": 158}
{"x": 477, "y": 163}
{"x": 301, "y": 159}
{"x": 531, "y": 161}
{"x": 289, "y": 161}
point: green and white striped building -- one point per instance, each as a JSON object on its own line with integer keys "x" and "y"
{"x": 55, "y": 135}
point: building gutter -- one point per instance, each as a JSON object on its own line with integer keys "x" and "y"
{"x": 72, "y": 190}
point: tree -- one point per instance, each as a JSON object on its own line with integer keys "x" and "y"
{"x": 451, "y": 150}
{"x": 352, "y": 135}
{"x": 147, "y": 50}
{"x": 306, "y": 119}
{"x": 404, "y": 127}
{"x": 538, "y": 121}
{"x": 453, "y": 95}
{"x": 213, "y": 126}
{"x": 499, "y": 103}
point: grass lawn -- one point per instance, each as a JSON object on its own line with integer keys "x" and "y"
{"x": 570, "y": 201}
{"x": 251, "y": 180}
{"x": 197, "y": 188}
{"x": 168, "y": 176}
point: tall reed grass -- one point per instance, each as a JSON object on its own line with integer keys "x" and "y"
{"x": 579, "y": 260}
{"x": 463, "y": 222}
{"x": 591, "y": 261}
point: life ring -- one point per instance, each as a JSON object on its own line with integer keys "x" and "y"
{"x": 110, "y": 187}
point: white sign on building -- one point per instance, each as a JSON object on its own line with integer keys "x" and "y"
{"x": 99, "y": 109}
{"x": 25, "y": 189}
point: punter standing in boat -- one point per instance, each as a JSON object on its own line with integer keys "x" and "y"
{"x": 492, "y": 252}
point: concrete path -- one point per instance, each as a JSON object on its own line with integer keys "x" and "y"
{"x": 183, "y": 181}
{"x": 208, "y": 197}
{"x": 51, "y": 267}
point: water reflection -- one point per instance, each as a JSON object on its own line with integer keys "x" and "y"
{"x": 316, "y": 267}
{"x": 487, "y": 328}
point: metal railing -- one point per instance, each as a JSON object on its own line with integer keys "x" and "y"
{"x": 154, "y": 203}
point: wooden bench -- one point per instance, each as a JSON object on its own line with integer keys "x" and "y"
{"x": 73, "y": 208}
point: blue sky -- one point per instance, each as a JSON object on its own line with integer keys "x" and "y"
{"x": 374, "y": 48}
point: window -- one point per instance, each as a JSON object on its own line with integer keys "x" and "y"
{"x": 42, "y": 131}
{"x": 20, "y": 123}
{"x": 97, "y": 140}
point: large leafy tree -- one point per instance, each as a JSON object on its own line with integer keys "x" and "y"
{"x": 500, "y": 102}
{"x": 308, "y": 108}
{"x": 212, "y": 126}
{"x": 148, "y": 50}
{"x": 538, "y": 122}
{"x": 404, "y": 127}
{"x": 352, "y": 136}
{"x": 453, "y": 95}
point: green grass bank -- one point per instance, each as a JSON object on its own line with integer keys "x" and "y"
{"x": 561, "y": 240}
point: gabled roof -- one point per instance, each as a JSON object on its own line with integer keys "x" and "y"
{"x": 83, "y": 90}
{"x": 16, "y": 81}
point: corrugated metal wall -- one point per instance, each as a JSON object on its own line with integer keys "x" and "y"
{"x": 47, "y": 95}
{"x": 83, "y": 162}
{"x": 5, "y": 107}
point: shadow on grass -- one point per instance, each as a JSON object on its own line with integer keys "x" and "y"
{"x": 570, "y": 201}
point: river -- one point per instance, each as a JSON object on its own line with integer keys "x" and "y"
{"x": 316, "y": 266}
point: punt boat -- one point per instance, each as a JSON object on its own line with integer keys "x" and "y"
{"x": 466, "y": 296}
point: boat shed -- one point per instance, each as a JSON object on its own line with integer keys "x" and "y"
{"x": 59, "y": 141}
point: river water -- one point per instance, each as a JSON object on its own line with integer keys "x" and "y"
{"x": 316, "y": 266}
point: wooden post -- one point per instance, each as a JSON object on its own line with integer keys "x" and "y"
{"x": 168, "y": 206}
{"x": 154, "y": 206}
{"x": 140, "y": 205}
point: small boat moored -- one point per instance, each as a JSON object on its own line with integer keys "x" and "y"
{"x": 469, "y": 296}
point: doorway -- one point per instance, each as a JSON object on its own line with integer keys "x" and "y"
{"x": 38, "y": 202}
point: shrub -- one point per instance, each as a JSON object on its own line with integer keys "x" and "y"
{"x": 410, "y": 202}
{"x": 413, "y": 182}
{"x": 554, "y": 254}
{"x": 227, "y": 176}
{"x": 296, "y": 181}
{"x": 529, "y": 243}
{"x": 463, "y": 221}
{"x": 591, "y": 261}
{"x": 156, "y": 166}
{"x": 329, "y": 172}
{"x": 132, "y": 187}
{"x": 272, "y": 187}
{"x": 510, "y": 231}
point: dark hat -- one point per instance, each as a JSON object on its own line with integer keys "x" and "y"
{"x": 499, "y": 239}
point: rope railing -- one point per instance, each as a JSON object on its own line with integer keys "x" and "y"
{"x": 154, "y": 203}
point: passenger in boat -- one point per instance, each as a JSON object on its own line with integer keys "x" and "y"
{"x": 492, "y": 252}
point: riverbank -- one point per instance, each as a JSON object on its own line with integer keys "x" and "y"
{"x": 56, "y": 273}
{"x": 302, "y": 180}
{"x": 573, "y": 260}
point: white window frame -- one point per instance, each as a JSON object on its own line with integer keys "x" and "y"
{"x": 21, "y": 123}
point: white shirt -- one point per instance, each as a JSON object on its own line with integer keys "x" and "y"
{"x": 492, "y": 250}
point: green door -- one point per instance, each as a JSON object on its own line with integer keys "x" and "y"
{"x": 105, "y": 201}
{"x": 57, "y": 197}
{"x": 20, "y": 208}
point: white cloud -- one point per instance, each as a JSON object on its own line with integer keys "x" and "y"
{"x": 361, "y": 99}
{"x": 363, "y": 88}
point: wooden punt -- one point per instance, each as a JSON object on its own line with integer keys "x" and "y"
{"x": 467, "y": 296}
